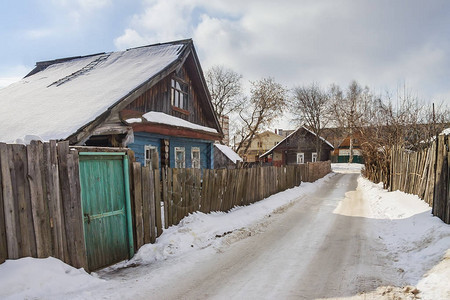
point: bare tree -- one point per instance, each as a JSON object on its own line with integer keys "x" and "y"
{"x": 267, "y": 102}
{"x": 311, "y": 108}
{"x": 349, "y": 109}
{"x": 226, "y": 89}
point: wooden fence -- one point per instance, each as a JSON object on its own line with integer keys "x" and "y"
{"x": 183, "y": 191}
{"x": 423, "y": 173}
{"x": 40, "y": 206}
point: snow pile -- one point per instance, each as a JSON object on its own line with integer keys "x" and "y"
{"x": 31, "y": 278}
{"x": 416, "y": 242}
{"x": 162, "y": 118}
{"x": 233, "y": 156}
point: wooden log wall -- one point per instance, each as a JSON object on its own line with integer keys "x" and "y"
{"x": 40, "y": 203}
{"x": 423, "y": 173}
{"x": 184, "y": 191}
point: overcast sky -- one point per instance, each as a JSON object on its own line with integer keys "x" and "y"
{"x": 381, "y": 44}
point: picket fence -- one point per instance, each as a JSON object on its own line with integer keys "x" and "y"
{"x": 423, "y": 173}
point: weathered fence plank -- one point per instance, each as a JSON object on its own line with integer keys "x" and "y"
{"x": 152, "y": 206}
{"x": 3, "y": 240}
{"x": 18, "y": 158}
{"x": 11, "y": 222}
{"x": 157, "y": 193}
{"x": 146, "y": 191}
{"x": 138, "y": 214}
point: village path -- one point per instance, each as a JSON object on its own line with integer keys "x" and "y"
{"x": 316, "y": 248}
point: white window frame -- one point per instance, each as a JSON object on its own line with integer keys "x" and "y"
{"x": 179, "y": 93}
{"x": 300, "y": 158}
{"x": 194, "y": 163}
{"x": 147, "y": 157}
{"x": 177, "y": 163}
{"x": 314, "y": 157}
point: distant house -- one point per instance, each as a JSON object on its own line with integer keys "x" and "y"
{"x": 150, "y": 99}
{"x": 297, "y": 148}
{"x": 225, "y": 157}
{"x": 259, "y": 145}
{"x": 342, "y": 152}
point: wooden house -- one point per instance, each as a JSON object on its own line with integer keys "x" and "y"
{"x": 225, "y": 157}
{"x": 342, "y": 152}
{"x": 297, "y": 148}
{"x": 152, "y": 99}
{"x": 260, "y": 144}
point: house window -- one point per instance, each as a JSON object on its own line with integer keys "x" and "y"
{"x": 195, "y": 156}
{"x": 148, "y": 152}
{"x": 179, "y": 157}
{"x": 260, "y": 144}
{"x": 314, "y": 157}
{"x": 300, "y": 158}
{"x": 179, "y": 94}
{"x": 275, "y": 143}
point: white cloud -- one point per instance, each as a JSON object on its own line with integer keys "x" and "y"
{"x": 39, "y": 33}
{"x": 380, "y": 44}
{"x": 130, "y": 39}
{"x": 90, "y": 5}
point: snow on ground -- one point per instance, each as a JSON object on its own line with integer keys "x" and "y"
{"x": 33, "y": 278}
{"x": 347, "y": 168}
{"x": 194, "y": 233}
{"x": 416, "y": 242}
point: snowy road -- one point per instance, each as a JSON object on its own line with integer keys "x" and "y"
{"x": 341, "y": 237}
{"x": 313, "y": 249}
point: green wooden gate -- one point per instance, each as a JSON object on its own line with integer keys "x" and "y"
{"x": 106, "y": 207}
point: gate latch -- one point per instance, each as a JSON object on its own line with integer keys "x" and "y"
{"x": 88, "y": 217}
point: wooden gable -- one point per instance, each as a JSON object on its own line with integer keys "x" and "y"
{"x": 155, "y": 95}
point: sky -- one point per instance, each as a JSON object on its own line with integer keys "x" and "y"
{"x": 385, "y": 45}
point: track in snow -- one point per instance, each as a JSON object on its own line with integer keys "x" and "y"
{"x": 316, "y": 248}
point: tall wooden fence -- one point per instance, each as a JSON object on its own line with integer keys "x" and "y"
{"x": 183, "y": 191}
{"x": 40, "y": 197}
{"x": 423, "y": 173}
{"x": 40, "y": 206}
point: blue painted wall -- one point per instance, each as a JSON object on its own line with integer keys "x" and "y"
{"x": 143, "y": 138}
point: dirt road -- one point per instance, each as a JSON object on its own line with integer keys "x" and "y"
{"x": 316, "y": 248}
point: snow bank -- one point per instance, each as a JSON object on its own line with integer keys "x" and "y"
{"x": 416, "y": 242}
{"x": 34, "y": 278}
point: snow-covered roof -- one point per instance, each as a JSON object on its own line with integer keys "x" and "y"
{"x": 59, "y": 100}
{"x": 233, "y": 156}
{"x": 162, "y": 118}
{"x": 271, "y": 149}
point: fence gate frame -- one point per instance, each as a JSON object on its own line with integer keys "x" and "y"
{"x": 126, "y": 178}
